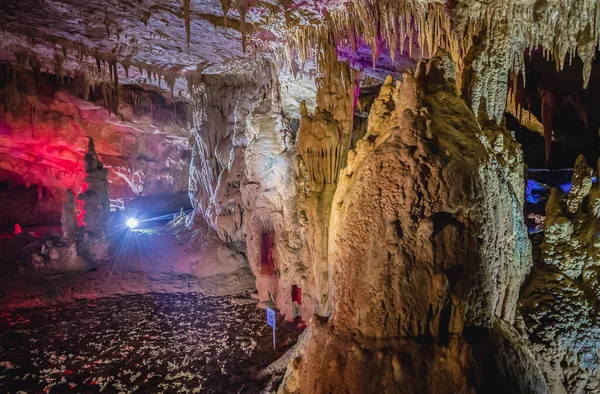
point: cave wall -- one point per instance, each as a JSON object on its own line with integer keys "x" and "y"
{"x": 43, "y": 141}
{"x": 243, "y": 180}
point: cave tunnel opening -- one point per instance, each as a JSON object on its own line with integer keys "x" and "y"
{"x": 559, "y": 101}
{"x": 552, "y": 106}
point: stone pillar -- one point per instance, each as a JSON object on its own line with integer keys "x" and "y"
{"x": 96, "y": 208}
{"x": 96, "y": 202}
{"x": 323, "y": 142}
{"x": 68, "y": 219}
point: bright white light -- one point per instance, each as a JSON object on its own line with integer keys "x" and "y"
{"x": 132, "y": 223}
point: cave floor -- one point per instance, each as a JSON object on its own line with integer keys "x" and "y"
{"x": 140, "y": 343}
{"x": 163, "y": 315}
{"x": 150, "y": 260}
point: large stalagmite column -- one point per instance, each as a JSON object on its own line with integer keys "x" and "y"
{"x": 426, "y": 242}
{"x": 323, "y": 141}
{"x": 96, "y": 207}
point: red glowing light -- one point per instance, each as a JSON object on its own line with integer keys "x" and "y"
{"x": 81, "y": 215}
{"x": 84, "y": 186}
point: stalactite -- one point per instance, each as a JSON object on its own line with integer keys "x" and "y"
{"x": 36, "y": 66}
{"x": 325, "y": 137}
{"x": 107, "y": 22}
{"x": 126, "y": 66}
{"x": 22, "y": 57}
{"x": 110, "y": 97}
{"x": 225, "y": 5}
{"x": 186, "y": 15}
{"x": 170, "y": 81}
{"x": 58, "y": 68}
{"x": 547, "y": 112}
{"x": 243, "y": 6}
{"x": 571, "y": 30}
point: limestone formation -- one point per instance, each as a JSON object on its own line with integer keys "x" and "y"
{"x": 62, "y": 254}
{"x": 323, "y": 142}
{"x": 95, "y": 208}
{"x": 391, "y": 223}
{"x": 417, "y": 178}
{"x": 560, "y": 302}
{"x": 68, "y": 219}
{"x": 96, "y": 202}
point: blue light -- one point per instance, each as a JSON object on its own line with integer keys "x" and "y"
{"x": 132, "y": 223}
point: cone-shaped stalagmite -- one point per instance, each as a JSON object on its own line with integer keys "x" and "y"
{"x": 96, "y": 199}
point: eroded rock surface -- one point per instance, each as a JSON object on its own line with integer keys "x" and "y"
{"x": 560, "y": 304}
{"x": 417, "y": 178}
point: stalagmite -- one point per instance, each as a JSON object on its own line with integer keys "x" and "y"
{"x": 399, "y": 210}
{"x": 547, "y": 114}
{"x": 96, "y": 204}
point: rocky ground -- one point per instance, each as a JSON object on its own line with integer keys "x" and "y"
{"x": 167, "y": 314}
{"x": 139, "y": 343}
{"x": 149, "y": 260}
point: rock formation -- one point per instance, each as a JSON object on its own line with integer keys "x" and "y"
{"x": 61, "y": 253}
{"x": 69, "y": 218}
{"x": 96, "y": 203}
{"x": 393, "y": 222}
{"x": 323, "y": 141}
{"x": 95, "y": 208}
{"x": 560, "y": 303}
{"x": 418, "y": 178}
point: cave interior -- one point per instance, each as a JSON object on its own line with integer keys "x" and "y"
{"x": 411, "y": 186}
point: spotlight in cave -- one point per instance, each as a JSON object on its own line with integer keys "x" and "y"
{"x": 132, "y": 223}
{"x": 412, "y": 186}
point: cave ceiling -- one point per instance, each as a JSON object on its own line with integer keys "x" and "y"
{"x": 170, "y": 43}
{"x": 144, "y": 36}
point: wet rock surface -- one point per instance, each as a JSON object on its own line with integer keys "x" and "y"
{"x": 140, "y": 343}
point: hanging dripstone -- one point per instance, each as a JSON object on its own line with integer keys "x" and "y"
{"x": 58, "y": 68}
{"x": 186, "y": 16}
{"x": 225, "y": 6}
{"x": 243, "y": 7}
{"x": 547, "y": 111}
{"x": 107, "y": 22}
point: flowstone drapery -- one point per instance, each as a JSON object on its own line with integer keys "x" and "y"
{"x": 427, "y": 246}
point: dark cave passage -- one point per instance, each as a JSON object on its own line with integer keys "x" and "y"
{"x": 573, "y": 113}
